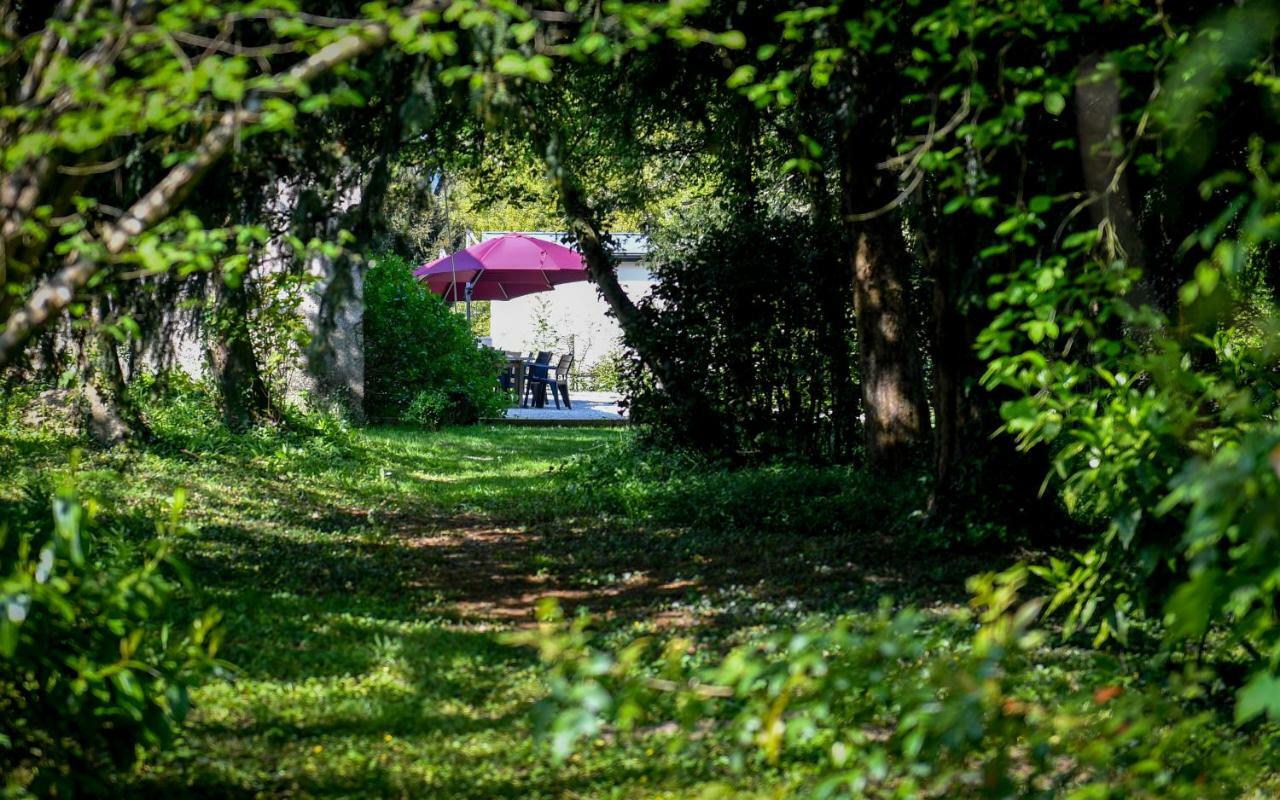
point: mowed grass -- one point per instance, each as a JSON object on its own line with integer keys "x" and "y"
{"x": 367, "y": 579}
{"x": 356, "y": 675}
{"x": 354, "y": 679}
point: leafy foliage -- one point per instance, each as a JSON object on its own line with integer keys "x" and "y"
{"x": 93, "y": 672}
{"x": 422, "y": 365}
{"x": 755, "y": 310}
{"x": 1087, "y": 192}
{"x": 884, "y": 706}
{"x": 1158, "y": 430}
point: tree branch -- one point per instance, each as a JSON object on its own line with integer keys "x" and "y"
{"x": 54, "y": 294}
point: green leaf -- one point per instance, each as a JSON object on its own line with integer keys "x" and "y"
{"x": 1260, "y": 695}
{"x": 539, "y": 69}
{"x": 8, "y": 637}
{"x": 511, "y": 64}
{"x": 1054, "y": 103}
{"x": 1207, "y": 278}
{"x": 741, "y": 76}
{"x": 734, "y": 40}
{"x": 1081, "y": 240}
{"x": 1193, "y": 605}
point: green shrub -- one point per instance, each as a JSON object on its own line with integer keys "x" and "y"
{"x": 183, "y": 415}
{"x": 771, "y": 372}
{"x": 605, "y": 375}
{"x": 1164, "y": 434}
{"x": 1155, "y": 391}
{"x": 422, "y": 365}
{"x": 889, "y": 706}
{"x": 91, "y": 673}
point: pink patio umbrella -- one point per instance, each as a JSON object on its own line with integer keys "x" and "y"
{"x": 456, "y": 291}
{"x": 502, "y": 268}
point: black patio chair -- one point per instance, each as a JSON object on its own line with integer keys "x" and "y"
{"x": 562, "y": 378}
{"x": 558, "y": 383}
{"x": 537, "y": 370}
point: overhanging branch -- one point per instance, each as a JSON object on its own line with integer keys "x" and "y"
{"x": 56, "y": 292}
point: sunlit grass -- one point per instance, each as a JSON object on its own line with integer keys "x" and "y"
{"x": 354, "y": 674}
{"x": 367, "y": 578}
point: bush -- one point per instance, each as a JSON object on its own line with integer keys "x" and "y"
{"x": 1155, "y": 391}
{"x": 775, "y": 366}
{"x": 91, "y": 674}
{"x": 183, "y": 415}
{"x": 886, "y": 707}
{"x": 605, "y": 375}
{"x": 1166, "y": 434}
{"x": 422, "y": 365}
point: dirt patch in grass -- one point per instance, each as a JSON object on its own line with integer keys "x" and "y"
{"x": 490, "y": 576}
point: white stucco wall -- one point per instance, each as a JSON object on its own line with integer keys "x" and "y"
{"x": 571, "y": 310}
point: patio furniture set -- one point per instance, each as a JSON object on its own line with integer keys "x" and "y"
{"x": 531, "y": 377}
{"x": 510, "y": 266}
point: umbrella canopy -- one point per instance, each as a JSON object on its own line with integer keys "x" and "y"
{"x": 456, "y": 291}
{"x": 504, "y": 267}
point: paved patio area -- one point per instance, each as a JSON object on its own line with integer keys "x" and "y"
{"x": 589, "y": 408}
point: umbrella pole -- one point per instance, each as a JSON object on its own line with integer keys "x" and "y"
{"x": 468, "y": 290}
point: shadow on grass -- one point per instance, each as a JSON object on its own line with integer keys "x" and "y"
{"x": 363, "y": 594}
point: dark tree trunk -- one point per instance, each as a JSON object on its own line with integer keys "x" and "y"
{"x": 1106, "y": 181}
{"x": 953, "y": 364}
{"x": 896, "y": 421}
{"x": 971, "y": 468}
{"x": 637, "y": 331}
{"x": 241, "y": 389}
{"x": 1101, "y": 156}
{"x": 965, "y": 415}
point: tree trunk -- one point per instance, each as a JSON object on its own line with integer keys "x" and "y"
{"x": 335, "y": 357}
{"x": 964, "y": 414}
{"x": 896, "y": 420}
{"x": 896, "y": 423}
{"x": 699, "y": 413}
{"x": 952, "y": 366}
{"x": 1102, "y": 156}
{"x": 1102, "y": 160}
{"x": 970, "y": 467}
{"x": 241, "y": 389}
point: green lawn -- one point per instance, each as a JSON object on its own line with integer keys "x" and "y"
{"x": 367, "y": 579}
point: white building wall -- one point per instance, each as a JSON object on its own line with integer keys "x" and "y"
{"x": 570, "y": 310}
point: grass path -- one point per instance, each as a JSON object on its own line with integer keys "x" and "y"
{"x": 365, "y": 616}
{"x": 366, "y": 588}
